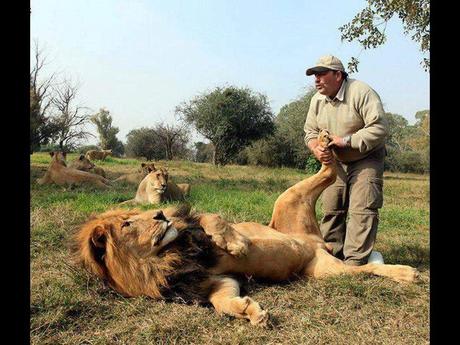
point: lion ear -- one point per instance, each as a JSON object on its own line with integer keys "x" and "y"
{"x": 151, "y": 168}
{"x": 81, "y": 157}
{"x": 143, "y": 164}
{"x": 51, "y": 153}
{"x": 99, "y": 237}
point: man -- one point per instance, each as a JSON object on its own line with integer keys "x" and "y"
{"x": 353, "y": 113}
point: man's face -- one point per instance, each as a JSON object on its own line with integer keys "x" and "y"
{"x": 328, "y": 83}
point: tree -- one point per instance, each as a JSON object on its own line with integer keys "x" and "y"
{"x": 203, "y": 152}
{"x": 107, "y": 133}
{"x": 286, "y": 147}
{"x": 42, "y": 128}
{"x": 144, "y": 142}
{"x": 69, "y": 119}
{"x": 368, "y": 26}
{"x": 173, "y": 138}
{"x": 290, "y": 130}
{"x": 230, "y": 118}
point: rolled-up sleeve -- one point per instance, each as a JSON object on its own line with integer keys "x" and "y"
{"x": 375, "y": 128}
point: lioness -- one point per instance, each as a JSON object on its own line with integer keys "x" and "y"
{"x": 178, "y": 255}
{"x": 155, "y": 188}
{"x": 138, "y": 176}
{"x": 100, "y": 155}
{"x": 60, "y": 174}
{"x": 84, "y": 164}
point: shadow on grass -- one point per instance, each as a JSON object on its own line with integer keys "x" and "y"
{"x": 406, "y": 178}
{"x": 409, "y": 254}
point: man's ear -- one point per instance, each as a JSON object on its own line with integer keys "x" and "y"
{"x": 99, "y": 237}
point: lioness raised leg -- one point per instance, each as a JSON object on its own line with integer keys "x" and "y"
{"x": 225, "y": 297}
{"x": 294, "y": 210}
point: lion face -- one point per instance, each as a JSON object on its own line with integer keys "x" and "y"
{"x": 146, "y": 237}
{"x": 147, "y": 168}
{"x": 83, "y": 163}
{"x": 58, "y": 157}
{"x": 158, "y": 180}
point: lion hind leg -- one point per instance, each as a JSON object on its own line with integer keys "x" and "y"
{"x": 326, "y": 265}
{"x": 225, "y": 297}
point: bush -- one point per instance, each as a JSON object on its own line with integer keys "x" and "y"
{"x": 313, "y": 165}
{"x": 85, "y": 148}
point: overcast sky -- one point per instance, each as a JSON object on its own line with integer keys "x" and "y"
{"x": 141, "y": 58}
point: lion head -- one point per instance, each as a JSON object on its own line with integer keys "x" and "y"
{"x": 147, "y": 168}
{"x": 82, "y": 163}
{"x": 152, "y": 253}
{"x": 58, "y": 157}
{"x": 158, "y": 180}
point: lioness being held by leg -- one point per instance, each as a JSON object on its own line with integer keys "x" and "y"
{"x": 60, "y": 174}
{"x": 177, "y": 255}
{"x": 155, "y": 188}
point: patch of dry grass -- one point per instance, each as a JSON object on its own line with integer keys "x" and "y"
{"x": 68, "y": 306}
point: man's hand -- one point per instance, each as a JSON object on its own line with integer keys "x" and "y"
{"x": 337, "y": 142}
{"x": 323, "y": 154}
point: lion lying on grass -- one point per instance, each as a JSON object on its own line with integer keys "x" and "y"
{"x": 60, "y": 174}
{"x": 174, "y": 254}
{"x": 99, "y": 155}
{"x": 138, "y": 176}
{"x": 84, "y": 164}
{"x": 155, "y": 188}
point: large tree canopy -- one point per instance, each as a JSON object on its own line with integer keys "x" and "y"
{"x": 368, "y": 26}
{"x": 231, "y": 118}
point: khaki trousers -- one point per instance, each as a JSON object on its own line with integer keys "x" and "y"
{"x": 358, "y": 193}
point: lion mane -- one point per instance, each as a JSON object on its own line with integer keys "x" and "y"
{"x": 178, "y": 273}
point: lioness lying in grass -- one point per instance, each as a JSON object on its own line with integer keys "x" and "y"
{"x": 60, "y": 174}
{"x": 156, "y": 188}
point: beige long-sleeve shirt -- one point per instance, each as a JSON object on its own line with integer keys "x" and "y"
{"x": 356, "y": 110}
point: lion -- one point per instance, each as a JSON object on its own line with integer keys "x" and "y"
{"x": 156, "y": 188}
{"x": 179, "y": 255}
{"x": 137, "y": 177}
{"x": 99, "y": 155}
{"x": 84, "y": 164}
{"x": 60, "y": 174}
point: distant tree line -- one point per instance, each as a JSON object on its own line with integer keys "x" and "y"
{"x": 238, "y": 122}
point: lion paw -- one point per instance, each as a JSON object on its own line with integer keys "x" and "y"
{"x": 406, "y": 274}
{"x": 261, "y": 319}
{"x": 232, "y": 242}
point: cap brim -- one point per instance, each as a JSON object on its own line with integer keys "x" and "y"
{"x": 314, "y": 70}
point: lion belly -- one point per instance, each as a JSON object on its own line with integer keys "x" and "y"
{"x": 272, "y": 254}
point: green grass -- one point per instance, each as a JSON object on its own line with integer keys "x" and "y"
{"x": 68, "y": 306}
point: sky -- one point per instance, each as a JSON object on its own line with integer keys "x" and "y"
{"x": 140, "y": 59}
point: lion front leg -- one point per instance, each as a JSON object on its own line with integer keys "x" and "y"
{"x": 225, "y": 297}
{"x": 224, "y": 235}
